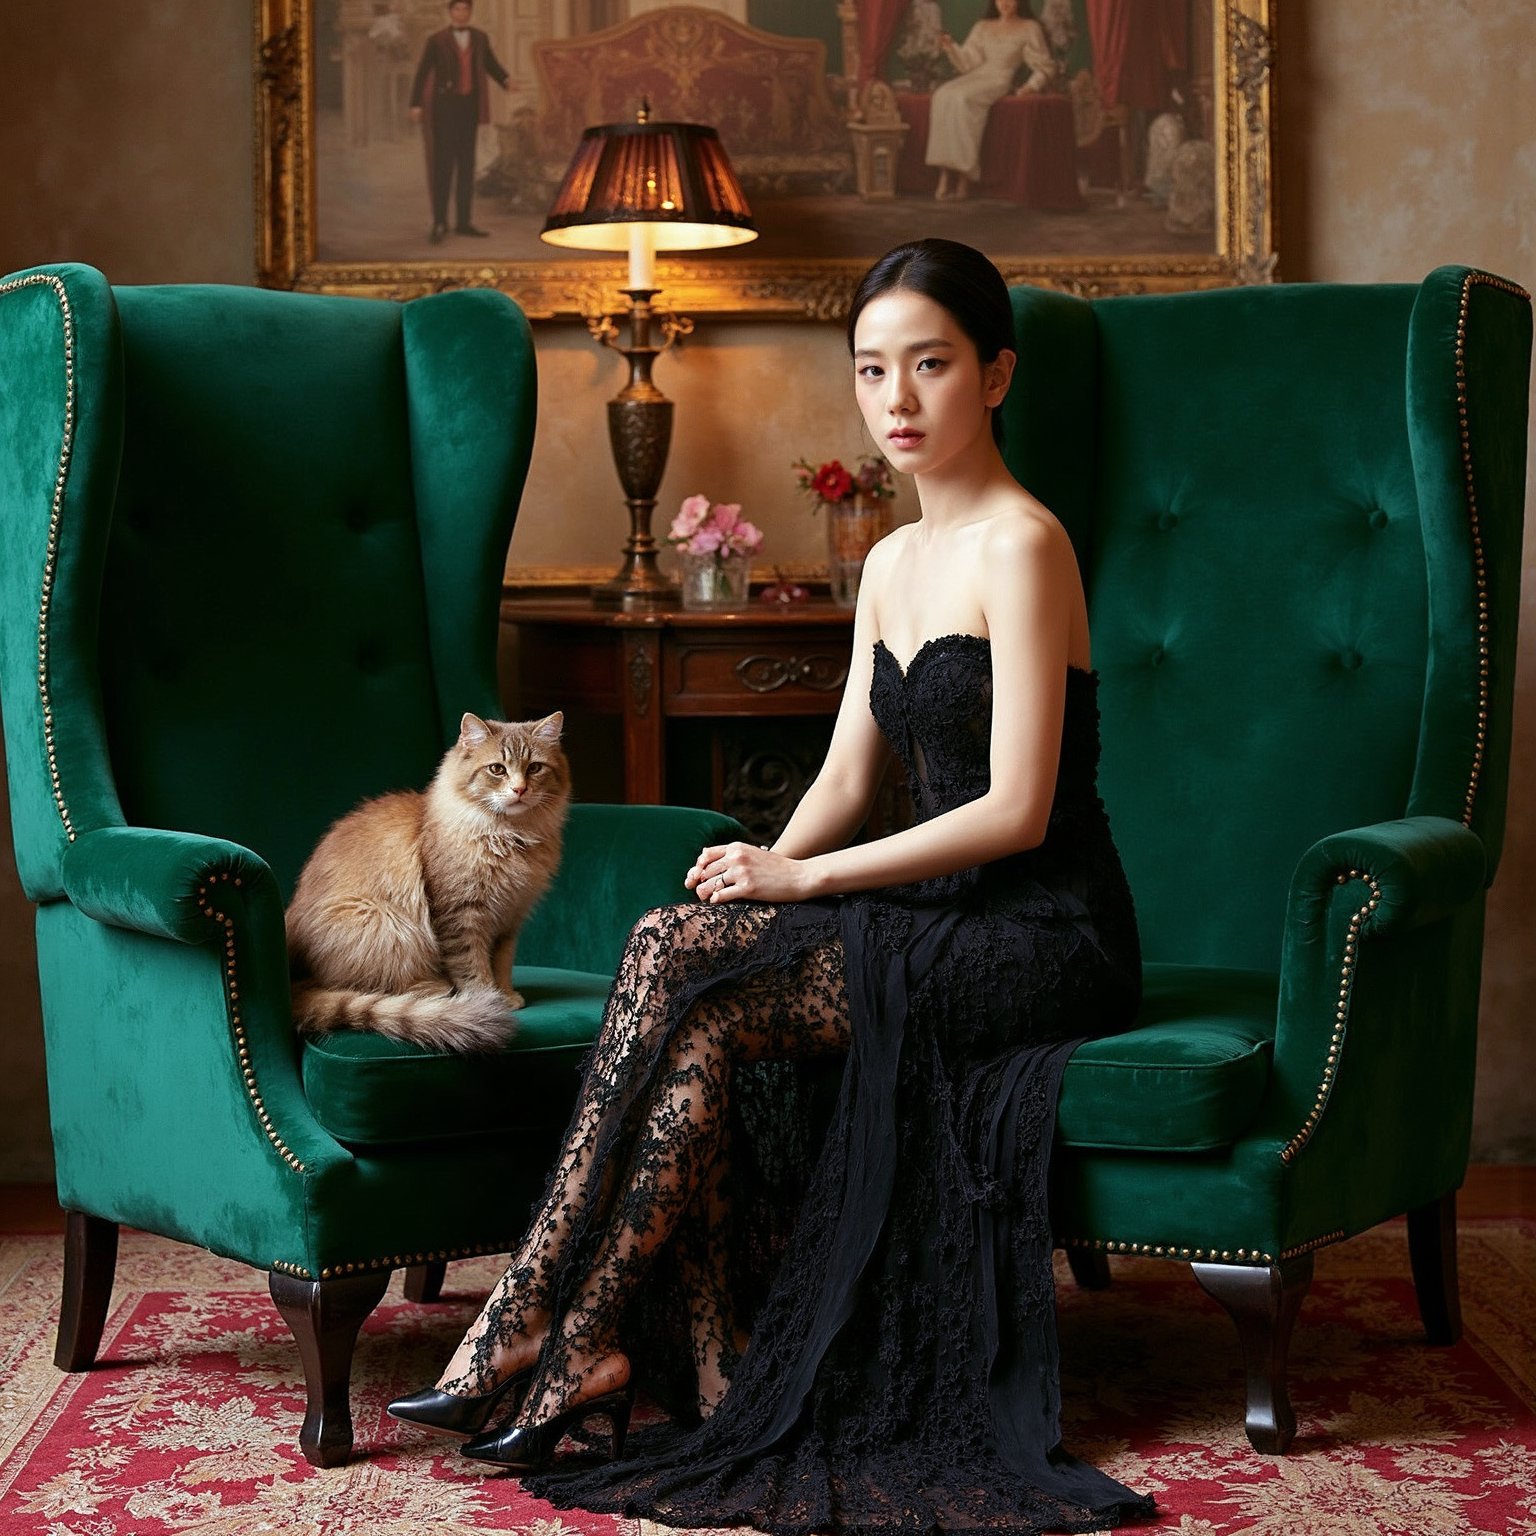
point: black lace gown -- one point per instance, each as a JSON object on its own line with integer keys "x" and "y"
{"x": 875, "y": 1223}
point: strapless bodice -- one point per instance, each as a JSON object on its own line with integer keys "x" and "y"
{"x": 937, "y": 716}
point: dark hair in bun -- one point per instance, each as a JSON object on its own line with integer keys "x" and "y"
{"x": 957, "y": 277}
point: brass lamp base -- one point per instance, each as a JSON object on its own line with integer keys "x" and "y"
{"x": 638, "y": 584}
{"x": 640, "y": 433}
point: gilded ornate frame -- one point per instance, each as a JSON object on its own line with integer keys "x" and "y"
{"x": 286, "y": 208}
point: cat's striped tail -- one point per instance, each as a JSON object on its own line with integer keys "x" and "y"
{"x": 471, "y": 1019}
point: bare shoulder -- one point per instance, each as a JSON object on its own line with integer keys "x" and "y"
{"x": 1025, "y": 539}
{"x": 886, "y": 553}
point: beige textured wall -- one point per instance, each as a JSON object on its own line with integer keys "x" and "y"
{"x": 1407, "y": 138}
{"x": 128, "y": 145}
{"x": 128, "y": 142}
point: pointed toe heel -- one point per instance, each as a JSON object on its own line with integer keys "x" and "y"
{"x": 532, "y": 1447}
{"x": 453, "y": 1414}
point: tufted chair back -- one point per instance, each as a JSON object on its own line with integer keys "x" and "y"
{"x": 1302, "y": 607}
{"x": 309, "y": 494}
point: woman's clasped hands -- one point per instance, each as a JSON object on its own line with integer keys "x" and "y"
{"x": 742, "y": 872}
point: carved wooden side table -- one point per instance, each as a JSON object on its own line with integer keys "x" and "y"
{"x": 653, "y": 670}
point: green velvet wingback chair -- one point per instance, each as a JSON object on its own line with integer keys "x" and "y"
{"x": 251, "y": 548}
{"x": 1298, "y": 511}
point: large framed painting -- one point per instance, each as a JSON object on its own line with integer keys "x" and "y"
{"x": 1102, "y": 146}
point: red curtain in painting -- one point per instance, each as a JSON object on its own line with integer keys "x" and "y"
{"x": 1135, "y": 45}
{"x": 879, "y": 22}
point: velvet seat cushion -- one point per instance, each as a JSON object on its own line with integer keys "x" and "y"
{"x": 1188, "y": 1077}
{"x": 370, "y": 1092}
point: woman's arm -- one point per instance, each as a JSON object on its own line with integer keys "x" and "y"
{"x": 1027, "y": 578}
{"x": 835, "y": 806}
{"x": 1044, "y": 73}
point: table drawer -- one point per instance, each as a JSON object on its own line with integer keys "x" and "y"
{"x": 755, "y": 674}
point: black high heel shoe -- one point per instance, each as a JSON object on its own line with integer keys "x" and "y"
{"x": 456, "y": 1414}
{"x": 532, "y": 1449}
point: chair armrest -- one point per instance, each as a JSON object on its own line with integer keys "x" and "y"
{"x": 619, "y": 861}
{"x": 1385, "y": 885}
{"x": 187, "y": 889}
{"x": 1418, "y": 869}
{"x": 154, "y": 881}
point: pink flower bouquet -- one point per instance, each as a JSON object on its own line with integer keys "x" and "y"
{"x": 702, "y": 527}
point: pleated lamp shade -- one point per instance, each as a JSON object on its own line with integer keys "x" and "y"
{"x": 673, "y": 178}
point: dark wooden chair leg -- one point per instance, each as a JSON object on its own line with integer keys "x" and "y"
{"x": 1432, "y": 1252}
{"x": 1090, "y": 1268}
{"x": 324, "y": 1316}
{"x": 1263, "y": 1301}
{"x": 424, "y": 1282}
{"x": 90, "y": 1259}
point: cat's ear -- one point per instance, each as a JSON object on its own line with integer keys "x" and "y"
{"x": 473, "y": 731}
{"x": 550, "y": 727}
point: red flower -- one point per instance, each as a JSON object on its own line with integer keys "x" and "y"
{"x": 832, "y": 482}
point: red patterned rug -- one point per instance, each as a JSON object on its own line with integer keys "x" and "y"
{"x": 189, "y": 1422}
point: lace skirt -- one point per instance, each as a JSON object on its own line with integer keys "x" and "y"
{"x": 884, "y": 1231}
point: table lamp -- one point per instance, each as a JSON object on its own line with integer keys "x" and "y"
{"x": 644, "y": 187}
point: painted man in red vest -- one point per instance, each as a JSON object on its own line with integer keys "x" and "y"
{"x": 451, "y": 97}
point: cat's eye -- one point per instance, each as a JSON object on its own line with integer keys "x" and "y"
{"x": 496, "y": 769}
{"x": 534, "y": 768}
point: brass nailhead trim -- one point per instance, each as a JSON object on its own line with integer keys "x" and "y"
{"x": 242, "y": 1044}
{"x": 55, "y": 515}
{"x": 1469, "y": 282}
{"x": 1341, "y": 1011}
{"x": 404, "y": 1260}
{"x": 1173, "y": 1251}
{"x": 1315, "y": 1242}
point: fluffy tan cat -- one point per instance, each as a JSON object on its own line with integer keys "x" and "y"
{"x": 406, "y": 915}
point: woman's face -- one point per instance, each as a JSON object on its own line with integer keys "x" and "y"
{"x": 1007, "y": 9}
{"x": 923, "y": 391}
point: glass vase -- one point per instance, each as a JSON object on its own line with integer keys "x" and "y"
{"x": 853, "y": 528}
{"x": 711, "y": 583}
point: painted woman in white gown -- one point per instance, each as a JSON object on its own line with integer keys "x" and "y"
{"x": 999, "y": 44}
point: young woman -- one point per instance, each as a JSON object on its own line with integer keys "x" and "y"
{"x": 861, "y": 1292}
{"x": 1001, "y": 43}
